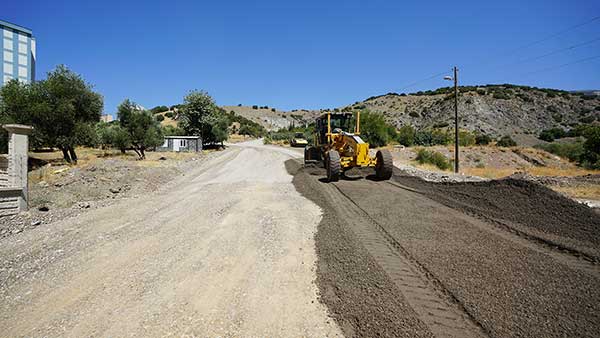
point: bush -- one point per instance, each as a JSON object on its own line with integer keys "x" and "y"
{"x": 482, "y": 139}
{"x": 160, "y": 118}
{"x": 550, "y": 135}
{"x": 571, "y": 151}
{"x": 406, "y": 135}
{"x": 254, "y": 107}
{"x": 506, "y": 141}
{"x": 414, "y": 114}
{"x": 466, "y": 138}
{"x": 170, "y": 115}
{"x": 590, "y": 158}
{"x": 501, "y": 96}
{"x": 159, "y": 109}
{"x": 433, "y": 157}
{"x": 375, "y": 130}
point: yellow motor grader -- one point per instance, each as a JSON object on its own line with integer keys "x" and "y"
{"x": 337, "y": 143}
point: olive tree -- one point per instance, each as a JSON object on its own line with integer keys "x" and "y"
{"x": 63, "y": 109}
{"x": 141, "y": 126}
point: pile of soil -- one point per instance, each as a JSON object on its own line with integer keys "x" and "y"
{"x": 59, "y": 191}
{"x": 524, "y": 205}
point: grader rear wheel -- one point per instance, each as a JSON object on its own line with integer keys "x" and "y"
{"x": 333, "y": 166}
{"x": 384, "y": 165}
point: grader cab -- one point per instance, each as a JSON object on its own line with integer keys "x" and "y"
{"x": 337, "y": 143}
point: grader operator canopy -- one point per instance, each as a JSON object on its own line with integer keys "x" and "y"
{"x": 337, "y": 143}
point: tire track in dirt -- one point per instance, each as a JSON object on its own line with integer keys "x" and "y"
{"x": 435, "y": 305}
{"x": 503, "y": 229}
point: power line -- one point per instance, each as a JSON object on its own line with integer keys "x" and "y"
{"x": 568, "y": 29}
{"x": 423, "y": 80}
{"x": 561, "y": 66}
{"x": 554, "y": 52}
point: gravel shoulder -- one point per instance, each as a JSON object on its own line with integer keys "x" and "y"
{"x": 227, "y": 249}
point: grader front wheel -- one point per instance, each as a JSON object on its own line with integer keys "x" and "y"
{"x": 333, "y": 166}
{"x": 384, "y": 165}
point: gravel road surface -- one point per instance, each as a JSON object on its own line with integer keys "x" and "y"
{"x": 463, "y": 276}
{"x": 226, "y": 250}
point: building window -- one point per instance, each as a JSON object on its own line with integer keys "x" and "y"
{"x": 8, "y": 33}
{"x": 23, "y": 38}
{"x": 8, "y": 44}
{"x": 7, "y": 78}
{"x": 23, "y": 72}
{"x": 183, "y": 143}
{"x": 23, "y": 60}
{"x": 22, "y": 48}
{"x": 8, "y": 68}
{"x": 8, "y": 56}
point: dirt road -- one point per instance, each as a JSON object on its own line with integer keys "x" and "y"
{"x": 497, "y": 259}
{"x": 226, "y": 250}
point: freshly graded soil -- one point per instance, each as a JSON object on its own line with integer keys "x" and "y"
{"x": 524, "y": 206}
{"x": 359, "y": 295}
{"x": 512, "y": 283}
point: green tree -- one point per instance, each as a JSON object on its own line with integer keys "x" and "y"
{"x": 374, "y": 128}
{"x": 15, "y": 103}
{"x": 143, "y": 130}
{"x": 406, "y": 135}
{"x": 591, "y": 148}
{"x": 201, "y": 116}
{"x": 169, "y": 130}
{"x": 112, "y": 135}
{"x": 63, "y": 109}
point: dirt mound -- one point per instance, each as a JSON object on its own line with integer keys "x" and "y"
{"x": 524, "y": 205}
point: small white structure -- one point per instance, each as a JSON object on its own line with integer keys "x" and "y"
{"x": 181, "y": 143}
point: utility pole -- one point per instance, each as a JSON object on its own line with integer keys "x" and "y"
{"x": 456, "y": 120}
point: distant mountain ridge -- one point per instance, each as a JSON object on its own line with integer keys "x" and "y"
{"x": 496, "y": 110}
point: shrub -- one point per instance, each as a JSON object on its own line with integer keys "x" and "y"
{"x": 501, "y": 96}
{"x": 506, "y": 141}
{"x": 590, "y": 158}
{"x": 571, "y": 151}
{"x": 170, "y": 115}
{"x": 376, "y": 131}
{"x": 414, "y": 114}
{"x": 406, "y": 135}
{"x": 466, "y": 138}
{"x": 423, "y": 138}
{"x": 550, "y": 135}
{"x": 441, "y": 137}
{"x": 254, "y": 107}
{"x": 482, "y": 139}
{"x": 159, "y": 109}
{"x": 433, "y": 157}
{"x": 160, "y": 118}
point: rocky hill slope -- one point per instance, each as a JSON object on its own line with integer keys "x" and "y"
{"x": 494, "y": 109}
{"x": 520, "y": 111}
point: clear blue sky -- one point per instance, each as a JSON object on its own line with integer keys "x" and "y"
{"x": 305, "y": 54}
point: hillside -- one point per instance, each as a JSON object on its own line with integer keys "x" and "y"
{"x": 520, "y": 111}
{"x": 273, "y": 119}
{"x": 496, "y": 110}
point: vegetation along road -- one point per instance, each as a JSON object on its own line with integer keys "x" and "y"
{"x": 253, "y": 243}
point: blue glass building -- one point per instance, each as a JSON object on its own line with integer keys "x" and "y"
{"x": 17, "y": 59}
